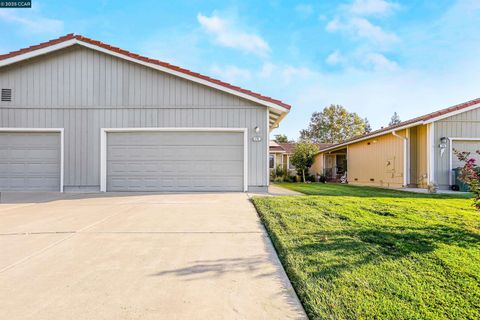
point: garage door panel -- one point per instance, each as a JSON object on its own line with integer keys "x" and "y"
{"x": 465, "y": 145}
{"x": 174, "y": 138}
{"x": 175, "y": 152}
{"x": 187, "y": 167}
{"x": 30, "y": 183}
{"x": 176, "y": 184}
{"x": 29, "y": 161}
{"x": 163, "y": 161}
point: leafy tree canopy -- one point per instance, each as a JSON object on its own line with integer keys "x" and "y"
{"x": 281, "y": 138}
{"x": 333, "y": 125}
{"x": 368, "y": 127}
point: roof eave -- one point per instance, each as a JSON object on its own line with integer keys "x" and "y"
{"x": 371, "y": 136}
{"x": 452, "y": 113}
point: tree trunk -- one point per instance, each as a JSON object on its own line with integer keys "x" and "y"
{"x": 303, "y": 174}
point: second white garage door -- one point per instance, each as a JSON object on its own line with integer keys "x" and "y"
{"x": 465, "y": 145}
{"x": 175, "y": 161}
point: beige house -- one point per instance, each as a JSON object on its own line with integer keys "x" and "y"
{"x": 414, "y": 153}
{"x": 280, "y": 152}
{"x": 279, "y": 155}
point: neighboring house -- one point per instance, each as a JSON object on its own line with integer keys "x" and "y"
{"x": 79, "y": 115}
{"x": 413, "y": 153}
{"x": 280, "y": 153}
{"x": 280, "y": 156}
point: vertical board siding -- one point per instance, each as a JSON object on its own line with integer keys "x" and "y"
{"x": 418, "y": 156}
{"x": 82, "y": 91}
{"x": 368, "y": 161}
{"x": 80, "y": 77}
{"x": 463, "y": 125}
{"x": 422, "y": 146}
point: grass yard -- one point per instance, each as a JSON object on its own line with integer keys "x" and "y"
{"x": 367, "y": 253}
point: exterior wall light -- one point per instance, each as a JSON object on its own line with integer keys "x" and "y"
{"x": 256, "y": 129}
{"x": 442, "y": 145}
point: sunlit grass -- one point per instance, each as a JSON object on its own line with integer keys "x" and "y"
{"x": 355, "y": 252}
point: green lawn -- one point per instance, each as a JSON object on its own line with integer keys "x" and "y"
{"x": 367, "y": 253}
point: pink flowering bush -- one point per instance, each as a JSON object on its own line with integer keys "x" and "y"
{"x": 470, "y": 175}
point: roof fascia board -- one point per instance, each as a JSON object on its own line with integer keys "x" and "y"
{"x": 452, "y": 113}
{"x": 38, "y": 52}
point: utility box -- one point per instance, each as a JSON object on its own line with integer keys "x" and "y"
{"x": 456, "y": 181}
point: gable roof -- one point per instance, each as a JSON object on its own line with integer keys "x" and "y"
{"x": 425, "y": 119}
{"x": 274, "y": 147}
{"x": 278, "y": 108}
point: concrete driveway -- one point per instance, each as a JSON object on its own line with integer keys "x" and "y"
{"x": 134, "y": 256}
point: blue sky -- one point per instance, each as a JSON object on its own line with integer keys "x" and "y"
{"x": 372, "y": 56}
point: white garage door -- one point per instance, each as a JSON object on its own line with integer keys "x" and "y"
{"x": 175, "y": 161}
{"x": 465, "y": 145}
{"x": 29, "y": 161}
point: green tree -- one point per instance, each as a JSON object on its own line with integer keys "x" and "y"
{"x": 395, "y": 119}
{"x": 281, "y": 138}
{"x": 303, "y": 156}
{"x": 368, "y": 127}
{"x": 333, "y": 125}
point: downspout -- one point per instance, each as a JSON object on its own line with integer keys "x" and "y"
{"x": 405, "y": 157}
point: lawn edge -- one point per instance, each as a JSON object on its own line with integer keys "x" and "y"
{"x": 281, "y": 254}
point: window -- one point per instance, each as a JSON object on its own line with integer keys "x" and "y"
{"x": 290, "y": 165}
{"x": 271, "y": 161}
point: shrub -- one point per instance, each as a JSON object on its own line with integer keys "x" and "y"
{"x": 278, "y": 179}
{"x": 292, "y": 178}
{"x": 280, "y": 172}
{"x": 470, "y": 175}
{"x": 322, "y": 178}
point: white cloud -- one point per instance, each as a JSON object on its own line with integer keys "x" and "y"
{"x": 31, "y": 21}
{"x": 364, "y": 28}
{"x": 268, "y": 73}
{"x": 304, "y": 9}
{"x": 372, "y": 7}
{"x": 290, "y": 73}
{"x": 225, "y": 33}
{"x": 381, "y": 63}
{"x": 267, "y": 70}
{"x": 351, "y": 21}
{"x": 334, "y": 25}
{"x": 334, "y": 58}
